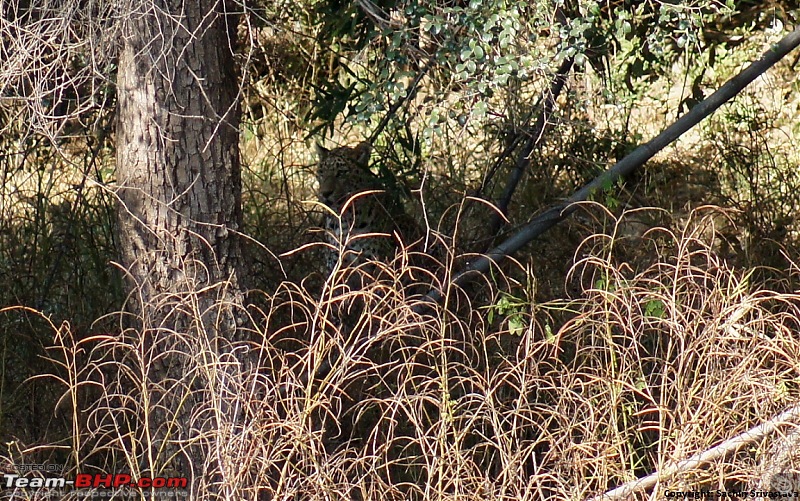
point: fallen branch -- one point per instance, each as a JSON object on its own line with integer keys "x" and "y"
{"x": 751, "y": 436}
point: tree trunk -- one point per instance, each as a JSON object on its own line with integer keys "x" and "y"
{"x": 178, "y": 161}
{"x": 179, "y": 215}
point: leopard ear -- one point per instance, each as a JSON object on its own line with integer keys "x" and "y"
{"x": 363, "y": 151}
{"x": 322, "y": 151}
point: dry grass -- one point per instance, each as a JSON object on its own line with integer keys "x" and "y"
{"x": 357, "y": 395}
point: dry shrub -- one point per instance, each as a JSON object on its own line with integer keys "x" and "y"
{"x": 671, "y": 360}
{"x": 371, "y": 393}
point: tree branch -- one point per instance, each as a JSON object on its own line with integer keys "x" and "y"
{"x": 751, "y": 436}
{"x": 523, "y": 162}
{"x": 558, "y": 212}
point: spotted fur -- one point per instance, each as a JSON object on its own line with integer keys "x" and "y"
{"x": 363, "y": 219}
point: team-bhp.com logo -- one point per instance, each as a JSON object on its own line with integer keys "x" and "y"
{"x": 94, "y": 481}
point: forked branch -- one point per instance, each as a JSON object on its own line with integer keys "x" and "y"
{"x": 557, "y": 213}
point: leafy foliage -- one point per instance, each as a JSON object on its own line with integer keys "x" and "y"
{"x": 478, "y": 48}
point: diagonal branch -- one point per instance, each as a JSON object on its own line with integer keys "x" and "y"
{"x": 722, "y": 450}
{"x": 523, "y": 162}
{"x": 558, "y": 212}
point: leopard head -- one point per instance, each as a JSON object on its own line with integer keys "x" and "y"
{"x": 343, "y": 172}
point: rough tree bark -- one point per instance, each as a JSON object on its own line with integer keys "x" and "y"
{"x": 178, "y": 160}
{"x": 179, "y": 214}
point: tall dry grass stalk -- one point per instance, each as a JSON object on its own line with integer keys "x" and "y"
{"x": 354, "y": 394}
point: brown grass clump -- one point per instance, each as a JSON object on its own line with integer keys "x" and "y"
{"x": 363, "y": 394}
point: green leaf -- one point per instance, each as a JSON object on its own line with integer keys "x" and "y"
{"x": 654, "y": 308}
{"x": 548, "y": 333}
{"x": 480, "y": 109}
{"x": 516, "y": 326}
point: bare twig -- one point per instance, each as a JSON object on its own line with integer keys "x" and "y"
{"x": 412, "y": 90}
